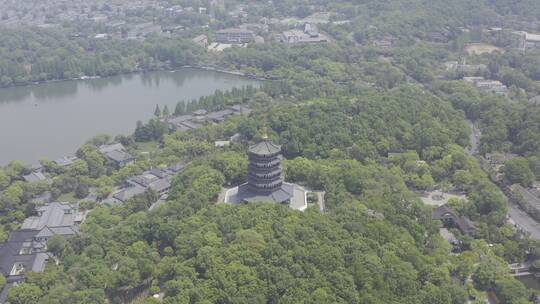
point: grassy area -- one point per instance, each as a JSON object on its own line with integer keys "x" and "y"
{"x": 481, "y": 48}
{"x": 67, "y": 197}
{"x": 147, "y": 147}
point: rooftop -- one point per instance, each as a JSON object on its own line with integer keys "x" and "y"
{"x": 128, "y": 193}
{"x": 53, "y": 215}
{"x": 110, "y": 148}
{"x": 34, "y": 177}
{"x": 65, "y": 161}
{"x": 265, "y": 147}
{"x": 532, "y": 37}
{"x": 118, "y": 156}
{"x": 234, "y": 30}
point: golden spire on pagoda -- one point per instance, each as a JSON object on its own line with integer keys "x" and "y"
{"x": 264, "y": 133}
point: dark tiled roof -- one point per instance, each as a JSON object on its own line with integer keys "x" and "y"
{"x": 465, "y": 225}
{"x": 9, "y": 252}
{"x": 118, "y": 156}
{"x": 128, "y": 193}
{"x": 283, "y": 194}
{"x": 177, "y": 167}
{"x": 265, "y": 148}
{"x": 51, "y": 215}
{"x": 444, "y": 212}
{"x": 104, "y": 149}
{"x": 439, "y": 212}
{"x": 160, "y": 185}
{"x": 34, "y": 177}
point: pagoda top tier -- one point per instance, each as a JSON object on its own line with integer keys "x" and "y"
{"x": 265, "y": 148}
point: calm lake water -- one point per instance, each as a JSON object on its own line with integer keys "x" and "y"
{"x": 54, "y": 119}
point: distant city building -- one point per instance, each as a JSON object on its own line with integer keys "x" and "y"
{"x": 488, "y": 86}
{"x": 235, "y": 36}
{"x": 310, "y": 34}
{"x": 454, "y": 66}
{"x": 532, "y": 41}
{"x": 219, "y": 47}
{"x": 201, "y": 40}
{"x": 265, "y": 180}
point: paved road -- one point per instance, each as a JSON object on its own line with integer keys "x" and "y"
{"x": 320, "y": 196}
{"x": 523, "y": 221}
{"x": 475, "y": 139}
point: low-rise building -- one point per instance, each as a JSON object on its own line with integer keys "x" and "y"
{"x": 488, "y": 86}
{"x": 155, "y": 179}
{"x": 528, "y": 196}
{"x": 191, "y": 122}
{"x": 35, "y": 177}
{"x": 235, "y": 36}
{"x": 127, "y": 193}
{"x": 201, "y": 40}
{"x": 116, "y": 154}
{"x": 56, "y": 215}
{"x": 65, "y": 161}
{"x": 454, "y": 66}
{"x": 310, "y": 34}
{"x": 26, "y": 249}
{"x": 535, "y": 100}
{"x": 219, "y": 116}
{"x": 499, "y": 158}
{"x": 532, "y": 41}
{"x": 18, "y": 256}
{"x": 492, "y": 86}
{"x": 449, "y": 218}
{"x": 222, "y": 143}
{"x": 219, "y": 47}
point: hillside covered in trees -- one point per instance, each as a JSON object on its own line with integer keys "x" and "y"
{"x": 339, "y": 111}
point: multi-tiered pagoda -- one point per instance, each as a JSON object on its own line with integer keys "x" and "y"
{"x": 265, "y": 180}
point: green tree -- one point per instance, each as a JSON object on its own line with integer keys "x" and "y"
{"x": 488, "y": 271}
{"x": 166, "y": 112}
{"x": 157, "y": 111}
{"x": 24, "y": 294}
{"x": 517, "y": 171}
{"x": 4, "y": 180}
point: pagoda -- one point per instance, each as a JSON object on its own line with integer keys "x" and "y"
{"x": 265, "y": 179}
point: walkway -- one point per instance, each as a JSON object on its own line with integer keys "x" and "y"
{"x": 523, "y": 221}
{"x": 475, "y": 138}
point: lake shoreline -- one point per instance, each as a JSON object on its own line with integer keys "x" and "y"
{"x": 194, "y": 67}
{"x": 60, "y": 116}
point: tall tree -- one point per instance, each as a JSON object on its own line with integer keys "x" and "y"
{"x": 166, "y": 111}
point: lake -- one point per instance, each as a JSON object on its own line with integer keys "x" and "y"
{"x": 54, "y": 119}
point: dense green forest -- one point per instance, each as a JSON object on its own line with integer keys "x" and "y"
{"x": 338, "y": 110}
{"x": 194, "y": 251}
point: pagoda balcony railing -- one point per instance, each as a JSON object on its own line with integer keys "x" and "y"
{"x": 266, "y": 165}
{"x": 263, "y": 156}
{"x": 255, "y": 157}
{"x": 265, "y": 175}
{"x": 265, "y": 187}
{"x": 264, "y": 180}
